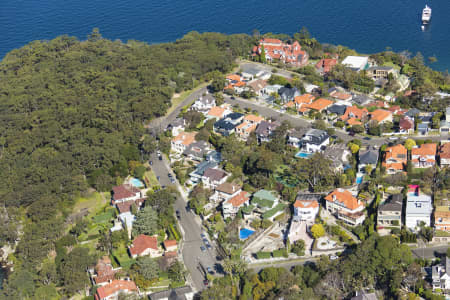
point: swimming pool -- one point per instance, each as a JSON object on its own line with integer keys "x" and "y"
{"x": 244, "y": 233}
{"x": 359, "y": 179}
{"x": 302, "y": 154}
{"x": 136, "y": 183}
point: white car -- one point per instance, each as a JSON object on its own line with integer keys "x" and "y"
{"x": 393, "y": 138}
{"x": 333, "y": 257}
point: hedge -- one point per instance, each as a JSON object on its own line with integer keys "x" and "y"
{"x": 263, "y": 255}
{"x": 280, "y": 253}
{"x": 174, "y": 232}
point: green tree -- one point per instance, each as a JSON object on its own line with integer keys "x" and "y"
{"x": 317, "y": 231}
{"x": 409, "y": 143}
{"x": 146, "y": 222}
{"x": 262, "y": 55}
{"x": 73, "y": 269}
{"x": 218, "y": 82}
{"x": 147, "y": 267}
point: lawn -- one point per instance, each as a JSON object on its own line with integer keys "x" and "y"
{"x": 150, "y": 178}
{"x": 122, "y": 257}
{"x": 93, "y": 202}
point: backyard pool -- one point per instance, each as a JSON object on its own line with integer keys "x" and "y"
{"x": 302, "y": 154}
{"x": 359, "y": 179}
{"x": 244, "y": 233}
{"x": 136, "y": 183}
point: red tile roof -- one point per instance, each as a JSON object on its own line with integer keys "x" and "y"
{"x": 306, "y": 204}
{"x": 124, "y": 191}
{"x": 114, "y": 287}
{"x": 425, "y": 149}
{"x": 104, "y": 270}
{"x": 380, "y": 115}
{"x": 326, "y": 64}
{"x": 355, "y": 112}
{"x": 344, "y": 197}
{"x": 142, "y": 243}
{"x": 406, "y": 123}
{"x": 319, "y": 104}
{"x": 239, "y": 199}
{"x": 170, "y": 243}
{"x": 444, "y": 151}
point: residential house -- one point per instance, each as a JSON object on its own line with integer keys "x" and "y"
{"x": 214, "y": 156}
{"x": 423, "y": 128}
{"x": 353, "y": 112}
{"x": 306, "y": 207}
{"x": 170, "y": 245}
{"x": 368, "y": 158}
{"x": 294, "y": 138}
{"x": 406, "y": 125}
{"x": 144, "y": 245}
{"x": 363, "y": 295}
{"x": 325, "y": 65}
{"x": 125, "y": 207}
{"x": 362, "y": 99}
{"x": 345, "y": 207}
{"x": 381, "y": 72}
{"x": 442, "y": 218}
{"x": 418, "y": 208}
{"x": 319, "y": 105}
{"x": 338, "y": 154}
{"x": 356, "y": 63}
{"x": 103, "y": 272}
{"x": 265, "y": 129}
{"x": 445, "y": 124}
{"x": 424, "y": 156}
{"x": 180, "y": 293}
{"x": 218, "y": 112}
{"x": 112, "y": 290}
{"x": 412, "y": 113}
{"x": 275, "y": 49}
{"x": 227, "y": 125}
{"x": 440, "y": 275}
{"x": 231, "y": 207}
{"x": 271, "y": 89}
{"x": 252, "y": 72}
{"x": 124, "y": 193}
{"x": 315, "y": 140}
{"x": 204, "y": 103}
{"x": 444, "y": 155}
{"x": 177, "y": 126}
{"x": 336, "y": 110}
{"x": 257, "y": 86}
{"x": 225, "y": 192}
{"x": 249, "y": 125}
{"x": 265, "y": 200}
{"x": 341, "y": 96}
{"x": 197, "y": 150}
{"x": 288, "y": 94}
{"x": 390, "y": 212}
{"x": 395, "y": 159}
{"x": 212, "y": 178}
{"x": 304, "y": 99}
{"x": 127, "y": 219}
{"x": 195, "y": 176}
{"x": 381, "y": 116}
{"x": 182, "y": 141}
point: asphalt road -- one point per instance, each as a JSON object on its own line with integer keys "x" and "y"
{"x": 430, "y": 252}
{"x": 191, "y": 229}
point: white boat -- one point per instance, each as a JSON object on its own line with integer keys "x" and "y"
{"x": 426, "y": 14}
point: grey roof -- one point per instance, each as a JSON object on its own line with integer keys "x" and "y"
{"x": 201, "y": 167}
{"x": 386, "y": 68}
{"x": 296, "y": 133}
{"x": 288, "y": 93}
{"x": 178, "y": 122}
{"x": 214, "y": 174}
{"x": 224, "y": 125}
{"x": 173, "y": 294}
{"x": 361, "y": 99}
{"x": 234, "y": 116}
{"x": 395, "y": 203}
{"x": 426, "y": 119}
{"x": 265, "y": 128}
{"x": 251, "y": 70}
{"x": 369, "y": 157}
{"x": 365, "y": 296}
{"x": 197, "y": 149}
{"x": 337, "y": 109}
{"x": 336, "y": 152}
{"x": 317, "y": 136}
{"x": 412, "y": 112}
{"x": 214, "y": 156}
{"x": 308, "y": 197}
{"x": 422, "y": 126}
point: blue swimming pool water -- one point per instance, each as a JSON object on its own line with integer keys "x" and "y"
{"x": 136, "y": 182}
{"x": 302, "y": 154}
{"x": 244, "y": 233}
{"x": 359, "y": 179}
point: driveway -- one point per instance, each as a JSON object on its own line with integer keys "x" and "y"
{"x": 430, "y": 252}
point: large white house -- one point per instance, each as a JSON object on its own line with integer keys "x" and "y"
{"x": 225, "y": 192}
{"x": 418, "y": 208}
{"x": 440, "y": 275}
{"x": 345, "y": 207}
{"x": 306, "y": 207}
{"x": 231, "y": 207}
{"x": 315, "y": 140}
{"x": 356, "y": 63}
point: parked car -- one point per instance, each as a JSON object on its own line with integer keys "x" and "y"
{"x": 203, "y": 235}
{"x": 367, "y": 138}
{"x": 157, "y": 177}
{"x": 178, "y": 214}
{"x": 206, "y": 282}
{"x": 208, "y": 246}
{"x": 151, "y": 163}
{"x": 172, "y": 180}
{"x": 210, "y": 270}
{"x": 160, "y": 157}
{"x": 333, "y": 257}
{"x": 203, "y": 248}
{"x": 232, "y": 98}
{"x": 393, "y": 138}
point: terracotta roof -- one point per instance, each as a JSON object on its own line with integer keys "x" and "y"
{"x": 239, "y": 83}
{"x": 380, "y": 115}
{"x": 216, "y": 111}
{"x": 170, "y": 254}
{"x": 239, "y": 199}
{"x": 344, "y": 197}
{"x": 326, "y": 64}
{"x": 406, "y": 123}
{"x": 124, "y": 207}
{"x": 304, "y": 99}
{"x": 234, "y": 77}
{"x": 377, "y": 103}
{"x": 290, "y": 104}
{"x": 185, "y": 138}
{"x": 397, "y": 152}
{"x": 143, "y": 242}
{"x": 114, "y": 287}
{"x": 354, "y": 111}
{"x": 228, "y": 188}
{"x": 444, "y": 151}
{"x": 104, "y": 270}
{"x": 270, "y": 41}
{"x": 306, "y": 204}
{"x": 395, "y": 166}
{"x": 353, "y": 121}
{"x": 170, "y": 243}
{"x": 253, "y": 118}
{"x": 425, "y": 149}
{"x": 124, "y": 191}
{"x": 319, "y": 104}
{"x": 340, "y": 96}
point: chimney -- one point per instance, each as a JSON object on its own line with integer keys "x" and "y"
{"x": 334, "y": 197}
{"x": 233, "y": 188}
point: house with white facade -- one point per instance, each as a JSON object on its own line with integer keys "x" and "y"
{"x": 424, "y": 156}
{"x": 390, "y": 212}
{"x": 356, "y": 63}
{"x": 445, "y": 124}
{"x": 196, "y": 176}
{"x": 125, "y": 193}
{"x": 345, "y": 207}
{"x": 315, "y": 140}
{"x": 444, "y": 154}
{"x": 225, "y": 192}
{"x": 177, "y": 126}
{"x": 306, "y": 207}
{"x": 231, "y": 207}
{"x": 182, "y": 141}
{"x": 440, "y": 275}
{"x": 368, "y": 158}
{"x": 116, "y": 287}
{"x": 212, "y": 178}
{"x": 204, "y": 103}
{"x": 419, "y": 208}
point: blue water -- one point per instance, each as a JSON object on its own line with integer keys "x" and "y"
{"x": 359, "y": 179}
{"x": 136, "y": 182}
{"x": 302, "y": 154}
{"x": 366, "y": 25}
{"x": 244, "y": 233}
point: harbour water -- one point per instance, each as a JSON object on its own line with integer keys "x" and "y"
{"x": 367, "y": 26}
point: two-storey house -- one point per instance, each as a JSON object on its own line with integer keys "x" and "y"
{"x": 390, "y": 212}
{"x": 345, "y": 206}
{"x": 395, "y": 159}
{"x": 419, "y": 208}
{"x": 306, "y": 207}
{"x": 424, "y": 156}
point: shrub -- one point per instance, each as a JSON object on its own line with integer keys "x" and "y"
{"x": 278, "y": 253}
{"x": 263, "y": 255}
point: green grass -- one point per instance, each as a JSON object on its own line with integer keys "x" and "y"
{"x": 183, "y": 95}
{"x": 94, "y": 203}
{"x": 150, "y": 178}
{"x": 122, "y": 257}
{"x": 105, "y": 217}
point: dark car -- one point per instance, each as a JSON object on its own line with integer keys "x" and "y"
{"x": 367, "y": 138}
{"x": 208, "y": 246}
{"x": 210, "y": 270}
{"x": 351, "y": 133}
{"x": 203, "y": 248}
{"x": 206, "y": 282}
{"x": 172, "y": 180}
{"x": 178, "y": 214}
{"x": 151, "y": 163}
{"x": 232, "y": 98}
{"x": 160, "y": 157}
{"x": 157, "y": 177}
{"x": 188, "y": 209}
